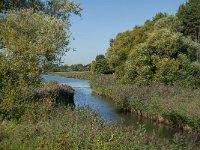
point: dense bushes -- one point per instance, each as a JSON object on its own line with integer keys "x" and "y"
{"x": 15, "y": 98}
{"x": 162, "y": 55}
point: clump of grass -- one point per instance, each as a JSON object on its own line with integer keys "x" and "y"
{"x": 60, "y": 128}
{"x": 54, "y": 94}
{"x": 84, "y": 75}
{"x": 172, "y": 105}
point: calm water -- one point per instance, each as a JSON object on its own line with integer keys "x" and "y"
{"x": 86, "y": 99}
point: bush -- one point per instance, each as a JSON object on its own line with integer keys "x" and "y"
{"x": 15, "y": 98}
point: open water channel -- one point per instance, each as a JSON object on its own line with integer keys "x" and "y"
{"x": 85, "y": 98}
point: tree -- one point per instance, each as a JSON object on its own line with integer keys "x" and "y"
{"x": 6, "y": 5}
{"x": 154, "y": 53}
{"x": 189, "y": 16}
{"x": 100, "y": 65}
{"x": 30, "y": 39}
{"x": 30, "y": 45}
{"x": 163, "y": 58}
{"x": 59, "y": 8}
{"x": 121, "y": 46}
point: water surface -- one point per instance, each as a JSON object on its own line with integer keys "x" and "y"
{"x": 84, "y": 98}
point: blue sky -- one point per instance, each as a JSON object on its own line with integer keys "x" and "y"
{"x": 102, "y": 19}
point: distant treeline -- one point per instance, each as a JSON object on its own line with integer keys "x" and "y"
{"x": 66, "y": 68}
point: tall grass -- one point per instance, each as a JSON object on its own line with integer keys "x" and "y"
{"x": 176, "y": 106}
{"x": 54, "y": 94}
{"x": 61, "y": 128}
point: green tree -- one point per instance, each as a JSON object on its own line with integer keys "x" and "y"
{"x": 30, "y": 45}
{"x": 154, "y": 53}
{"x": 29, "y": 41}
{"x": 121, "y": 47}
{"x": 6, "y": 5}
{"x": 163, "y": 58}
{"x": 100, "y": 65}
{"x": 59, "y": 8}
{"x": 189, "y": 16}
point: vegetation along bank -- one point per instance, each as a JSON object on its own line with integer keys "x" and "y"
{"x": 170, "y": 105}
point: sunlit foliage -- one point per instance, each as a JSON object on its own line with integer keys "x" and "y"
{"x": 154, "y": 53}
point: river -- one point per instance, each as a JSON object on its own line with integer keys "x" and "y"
{"x": 85, "y": 98}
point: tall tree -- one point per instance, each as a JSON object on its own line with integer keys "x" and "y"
{"x": 6, "y": 5}
{"x": 61, "y": 9}
{"x": 189, "y": 15}
{"x": 27, "y": 46}
{"x": 100, "y": 65}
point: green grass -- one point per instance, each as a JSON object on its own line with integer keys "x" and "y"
{"x": 61, "y": 128}
{"x": 84, "y": 75}
{"x": 176, "y": 106}
{"x": 48, "y": 126}
{"x": 54, "y": 94}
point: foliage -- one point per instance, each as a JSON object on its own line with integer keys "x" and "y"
{"x": 100, "y": 65}
{"x": 120, "y": 48}
{"x": 154, "y": 53}
{"x": 67, "y": 68}
{"x": 30, "y": 39}
{"x": 27, "y": 46}
{"x": 18, "y": 98}
{"x": 61, "y": 9}
{"x": 189, "y": 16}
{"x": 53, "y": 94}
{"x": 15, "y": 99}
{"x": 6, "y": 5}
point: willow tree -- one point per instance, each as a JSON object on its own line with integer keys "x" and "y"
{"x": 29, "y": 40}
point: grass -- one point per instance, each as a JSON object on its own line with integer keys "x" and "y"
{"x": 84, "y": 75}
{"x": 61, "y": 128}
{"x": 46, "y": 125}
{"x": 54, "y": 94}
{"x": 176, "y": 106}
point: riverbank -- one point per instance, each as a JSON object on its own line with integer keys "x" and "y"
{"x": 83, "y": 75}
{"x": 174, "y": 106}
{"x": 60, "y": 128}
{"x": 45, "y": 126}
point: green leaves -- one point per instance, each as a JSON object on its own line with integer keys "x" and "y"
{"x": 154, "y": 53}
{"x": 31, "y": 39}
{"x": 189, "y": 16}
{"x": 100, "y": 65}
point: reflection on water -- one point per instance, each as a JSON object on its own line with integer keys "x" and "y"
{"x": 84, "y": 98}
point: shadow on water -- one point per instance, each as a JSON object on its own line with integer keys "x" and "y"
{"x": 84, "y": 98}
